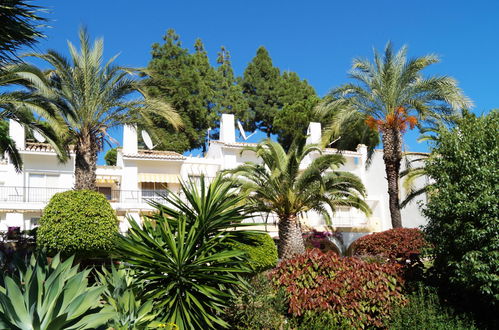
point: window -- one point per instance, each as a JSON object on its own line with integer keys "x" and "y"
{"x": 106, "y": 191}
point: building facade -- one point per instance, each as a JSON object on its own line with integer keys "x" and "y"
{"x": 141, "y": 175}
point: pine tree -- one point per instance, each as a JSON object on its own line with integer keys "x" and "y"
{"x": 260, "y": 85}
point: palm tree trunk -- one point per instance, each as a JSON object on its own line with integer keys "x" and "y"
{"x": 86, "y": 162}
{"x": 290, "y": 237}
{"x": 392, "y": 155}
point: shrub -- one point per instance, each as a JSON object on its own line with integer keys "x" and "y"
{"x": 261, "y": 251}
{"x": 425, "y": 311}
{"x": 352, "y": 291}
{"x": 50, "y": 296}
{"x": 260, "y": 307}
{"x": 394, "y": 244}
{"x": 463, "y": 210}
{"x": 180, "y": 254}
{"x": 322, "y": 240}
{"x": 78, "y": 222}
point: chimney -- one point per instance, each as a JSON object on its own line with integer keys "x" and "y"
{"x": 314, "y": 133}
{"x": 17, "y": 133}
{"x": 129, "y": 139}
{"x": 227, "y": 129}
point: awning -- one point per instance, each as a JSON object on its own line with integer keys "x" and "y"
{"x": 107, "y": 179}
{"x": 157, "y": 177}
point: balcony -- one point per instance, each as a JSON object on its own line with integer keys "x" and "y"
{"x": 43, "y": 195}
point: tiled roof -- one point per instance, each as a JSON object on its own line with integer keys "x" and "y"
{"x": 155, "y": 154}
{"x": 41, "y": 147}
{"x": 236, "y": 144}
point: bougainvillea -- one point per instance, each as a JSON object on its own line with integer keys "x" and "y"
{"x": 350, "y": 290}
{"x": 322, "y": 240}
{"x": 392, "y": 244}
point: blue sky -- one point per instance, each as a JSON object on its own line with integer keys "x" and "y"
{"x": 316, "y": 39}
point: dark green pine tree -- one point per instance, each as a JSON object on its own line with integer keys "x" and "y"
{"x": 260, "y": 85}
{"x": 298, "y": 100}
{"x": 186, "y": 81}
{"x": 229, "y": 96}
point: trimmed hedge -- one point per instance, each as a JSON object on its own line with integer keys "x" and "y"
{"x": 352, "y": 292}
{"x": 261, "y": 251}
{"x": 78, "y": 222}
{"x": 392, "y": 244}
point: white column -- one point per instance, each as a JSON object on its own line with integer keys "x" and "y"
{"x": 227, "y": 128}
{"x": 129, "y": 139}
{"x": 16, "y": 133}
{"x": 314, "y": 134}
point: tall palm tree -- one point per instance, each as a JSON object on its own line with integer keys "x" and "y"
{"x": 91, "y": 97}
{"x": 20, "y": 102}
{"x": 391, "y": 94}
{"x": 279, "y": 186}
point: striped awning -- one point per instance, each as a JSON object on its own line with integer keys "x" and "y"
{"x": 158, "y": 177}
{"x": 107, "y": 179}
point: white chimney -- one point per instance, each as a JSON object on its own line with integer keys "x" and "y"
{"x": 129, "y": 139}
{"x": 227, "y": 129}
{"x": 17, "y": 133}
{"x": 314, "y": 133}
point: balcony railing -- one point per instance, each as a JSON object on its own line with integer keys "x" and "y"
{"x": 43, "y": 195}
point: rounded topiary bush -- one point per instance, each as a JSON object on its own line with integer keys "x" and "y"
{"x": 261, "y": 251}
{"x": 78, "y": 222}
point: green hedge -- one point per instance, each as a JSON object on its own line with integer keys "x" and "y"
{"x": 261, "y": 251}
{"x": 78, "y": 222}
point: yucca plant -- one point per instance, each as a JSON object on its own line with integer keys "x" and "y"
{"x": 120, "y": 294}
{"x": 180, "y": 254}
{"x": 50, "y": 296}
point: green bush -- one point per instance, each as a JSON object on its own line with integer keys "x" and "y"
{"x": 463, "y": 211}
{"x": 260, "y": 306}
{"x": 261, "y": 251}
{"x": 78, "y": 222}
{"x": 425, "y": 311}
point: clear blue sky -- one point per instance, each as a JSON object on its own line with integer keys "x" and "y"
{"x": 316, "y": 39}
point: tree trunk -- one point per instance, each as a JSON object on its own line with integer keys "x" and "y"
{"x": 392, "y": 155}
{"x": 290, "y": 237}
{"x": 86, "y": 162}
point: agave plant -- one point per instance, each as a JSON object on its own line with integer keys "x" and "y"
{"x": 50, "y": 296}
{"x": 181, "y": 256}
{"x": 121, "y": 295}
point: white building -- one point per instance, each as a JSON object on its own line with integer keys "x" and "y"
{"x": 141, "y": 175}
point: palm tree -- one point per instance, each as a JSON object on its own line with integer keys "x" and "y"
{"x": 92, "y": 97}
{"x": 18, "y": 101}
{"x": 279, "y": 186}
{"x": 391, "y": 94}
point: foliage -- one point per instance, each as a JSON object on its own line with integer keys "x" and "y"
{"x": 426, "y": 311}
{"x": 111, "y": 156}
{"x": 21, "y": 23}
{"x": 394, "y": 244}
{"x": 186, "y": 81}
{"x": 260, "y": 306}
{"x": 353, "y": 292}
{"x": 391, "y": 94}
{"x": 292, "y": 121}
{"x": 261, "y": 251}
{"x": 50, "y": 296}
{"x": 463, "y": 210}
{"x": 81, "y": 222}
{"x": 91, "y": 97}
{"x": 181, "y": 254}
{"x": 120, "y": 293}
{"x": 322, "y": 240}
{"x": 280, "y": 187}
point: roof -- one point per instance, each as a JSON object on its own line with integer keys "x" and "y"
{"x": 42, "y": 147}
{"x": 155, "y": 154}
{"x": 235, "y": 144}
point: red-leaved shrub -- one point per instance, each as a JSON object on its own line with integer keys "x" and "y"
{"x": 352, "y": 291}
{"x": 322, "y": 240}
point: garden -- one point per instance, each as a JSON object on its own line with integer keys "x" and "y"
{"x": 195, "y": 262}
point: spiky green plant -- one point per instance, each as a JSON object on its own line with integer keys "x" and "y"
{"x": 181, "y": 256}
{"x": 278, "y": 185}
{"x": 391, "y": 94}
{"x": 50, "y": 296}
{"x": 120, "y": 294}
